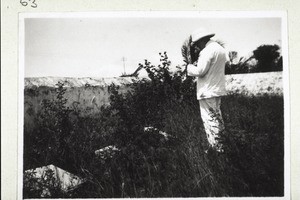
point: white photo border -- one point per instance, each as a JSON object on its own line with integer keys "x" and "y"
{"x": 159, "y": 14}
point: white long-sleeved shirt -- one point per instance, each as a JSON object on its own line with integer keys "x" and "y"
{"x": 210, "y": 71}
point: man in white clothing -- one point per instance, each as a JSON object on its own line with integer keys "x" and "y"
{"x": 210, "y": 71}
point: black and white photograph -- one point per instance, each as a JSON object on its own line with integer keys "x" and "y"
{"x": 154, "y": 104}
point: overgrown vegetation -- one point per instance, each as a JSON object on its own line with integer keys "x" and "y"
{"x": 149, "y": 164}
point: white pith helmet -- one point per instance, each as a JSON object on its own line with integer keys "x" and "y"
{"x": 201, "y": 33}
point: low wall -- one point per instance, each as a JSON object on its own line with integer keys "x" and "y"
{"x": 90, "y": 94}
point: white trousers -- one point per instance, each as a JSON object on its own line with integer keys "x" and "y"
{"x": 212, "y": 119}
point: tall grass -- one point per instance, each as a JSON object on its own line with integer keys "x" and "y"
{"x": 148, "y": 164}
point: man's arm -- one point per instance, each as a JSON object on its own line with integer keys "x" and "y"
{"x": 203, "y": 64}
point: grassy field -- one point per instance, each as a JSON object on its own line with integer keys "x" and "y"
{"x": 147, "y": 164}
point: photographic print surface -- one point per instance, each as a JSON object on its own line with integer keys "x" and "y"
{"x": 112, "y": 107}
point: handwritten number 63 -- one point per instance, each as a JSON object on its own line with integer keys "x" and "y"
{"x": 25, "y": 3}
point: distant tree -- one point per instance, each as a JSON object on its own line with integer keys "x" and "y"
{"x": 266, "y": 56}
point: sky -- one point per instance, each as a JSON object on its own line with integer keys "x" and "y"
{"x": 95, "y": 46}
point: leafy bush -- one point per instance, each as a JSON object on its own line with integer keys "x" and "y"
{"x": 45, "y": 186}
{"x": 150, "y": 165}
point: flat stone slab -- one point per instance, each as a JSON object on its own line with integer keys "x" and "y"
{"x": 65, "y": 180}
